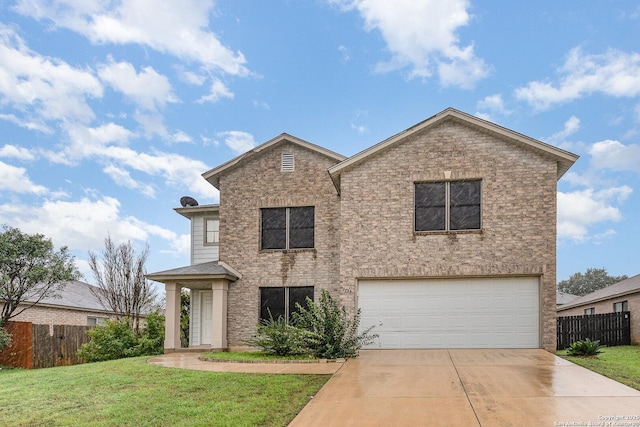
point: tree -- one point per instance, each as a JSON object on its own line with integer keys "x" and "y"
{"x": 592, "y": 280}
{"x": 120, "y": 279}
{"x": 30, "y": 270}
{"x": 185, "y": 304}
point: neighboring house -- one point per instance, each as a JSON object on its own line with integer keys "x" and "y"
{"x": 563, "y": 298}
{"x": 77, "y": 305}
{"x": 621, "y": 296}
{"x": 443, "y": 235}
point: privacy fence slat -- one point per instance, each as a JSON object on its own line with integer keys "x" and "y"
{"x": 611, "y": 329}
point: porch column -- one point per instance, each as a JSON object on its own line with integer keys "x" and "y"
{"x": 172, "y": 317}
{"x": 219, "y": 317}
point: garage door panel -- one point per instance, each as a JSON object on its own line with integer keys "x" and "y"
{"x": 452, "y": 313}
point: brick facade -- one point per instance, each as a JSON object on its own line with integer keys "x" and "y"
{"x": 43, "y": 315}
{"x": 606, "y": 306}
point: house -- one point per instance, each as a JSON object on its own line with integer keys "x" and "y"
{"x": 564, "y": 298}
{"x": 621, "y": 296}
{"x": 77, "y": 305}
{"x": 443, "y": 235}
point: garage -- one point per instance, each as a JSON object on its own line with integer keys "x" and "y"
{"x": 452, "y": 313}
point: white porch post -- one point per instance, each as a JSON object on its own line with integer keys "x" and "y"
{"x": 172, "y": 317}
{"x": 219, "y": 317}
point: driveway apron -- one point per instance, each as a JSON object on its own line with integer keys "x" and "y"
{"x": 469, "y": 388}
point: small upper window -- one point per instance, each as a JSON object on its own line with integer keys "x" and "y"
{"x": 211, "y": 231}
{"x": 619, "y": 307}
{"x": 287, "y": 228}
{"x": 287, "y": 163}
{"x": 448, "y": 206}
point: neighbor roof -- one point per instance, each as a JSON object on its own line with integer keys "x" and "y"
{"x": 565, "y": 298}
{"x": 626, "y": 287}
{"x": 564, "y": 158}
{"x": 213, "y": 176}
{"x": 76, "y": 294}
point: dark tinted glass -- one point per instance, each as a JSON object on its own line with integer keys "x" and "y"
{"x": 430, "y": 206}
{"x": 273, "y": 228}
{"x": 464, "y": 213}
{"x": 301, "y": 223}
{"x": 299, "y": 295}
{"x": 272, "y": 300}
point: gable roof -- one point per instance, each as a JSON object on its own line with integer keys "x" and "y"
{"x": 76, "y": 294}
{"x": 564, "y": 158}
{"x": 565, "y": 298}
{"x": 204, "y": 271}
{"x": 625, "y": 287}
{"x": 213, "y": 175}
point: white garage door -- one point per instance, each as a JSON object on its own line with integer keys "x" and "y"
{"x": 452, "y": 313}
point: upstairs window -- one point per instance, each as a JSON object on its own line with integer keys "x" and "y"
{"x": 287, "y": 228}
{"x": 447, "y": 206}
{"x": 211, "y": 231}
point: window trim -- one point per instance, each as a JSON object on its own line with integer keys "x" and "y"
{"x": 622, "y": 304}
{"x": 288, "y": 228}
{"x": 589, "y": 311}
{"x": 447, "y": 207}
{"x": 205, "y": 231}
{"x": 287, "y": 299}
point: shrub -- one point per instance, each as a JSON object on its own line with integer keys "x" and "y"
{"x": 117, "y": 339}
{"x": 5, "y": 338}
{"x": 279, "y": 337}
{"x": 333, "y": 334}
{"x": 584, "y": 348}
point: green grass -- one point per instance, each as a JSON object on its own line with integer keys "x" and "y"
{"x": 618, "y": 363}
{"x": 131, "y": 392}
{"x": 254, "y": 356}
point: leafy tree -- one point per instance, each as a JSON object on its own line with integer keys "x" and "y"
{"x": 5, "y": 339}
{"x": 30, "y": 270}
{"x": 185, "y": 304}
{"x": 120, "y": 279}
{"x": 592, "y": 280}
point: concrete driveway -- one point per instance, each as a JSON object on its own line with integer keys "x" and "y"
{"x": 468, "y": 388}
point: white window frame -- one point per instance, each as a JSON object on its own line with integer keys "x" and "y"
{"x": 216, "y": 233}
{"x": 622, "y": 306}
{"x": 589, "y": 311}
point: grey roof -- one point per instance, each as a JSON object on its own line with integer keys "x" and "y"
{"x": 627, "y": 286}
{"x": 76, "y": 294}
{"x": 198, "y": 271}
{"x": 565, "y": 298}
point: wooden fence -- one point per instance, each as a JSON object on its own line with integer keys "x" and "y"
{"x": 43, "y": 346}
{"x": 611, "y": 329}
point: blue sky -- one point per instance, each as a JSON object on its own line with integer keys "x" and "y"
{"x": 111, "y": 110}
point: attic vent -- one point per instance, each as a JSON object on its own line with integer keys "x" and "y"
{"x": 288, "y": 163}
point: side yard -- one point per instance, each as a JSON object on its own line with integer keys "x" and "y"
{"x": 621, "y": 364}
{"x": 130, "y": 392}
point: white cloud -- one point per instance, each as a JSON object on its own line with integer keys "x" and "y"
{"x": 571, "y": 126}
{"x": 238, "y": 141}
{"x": 148, "y": 89}
{"x": 614, "y": 73}
{"x": 15, "y": 179}
{"x": 35, "y": 124}
{"x": 579, "y": 210}
{"x": 615, "y": 156}
{"x": 80, "y": 225}
{"x": 217, "y": 92}
{"x": 181, "y": 136}
{"x": 43, "y": 88}
{"x": 123, "y": 178}
{"x": 20, "y": 153}
{"x": 176, "y": 28}
{"x": 423, "y": 35}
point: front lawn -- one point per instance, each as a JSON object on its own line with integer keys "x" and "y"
{"x": 618, "y": 363}
{"x": 131, "y": 392}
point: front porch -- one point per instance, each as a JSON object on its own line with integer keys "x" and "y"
{"x": 209, "y": 286}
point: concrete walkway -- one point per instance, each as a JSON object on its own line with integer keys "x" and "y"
{"x": 468, "y": 388}
{"x": 191, "y": 361}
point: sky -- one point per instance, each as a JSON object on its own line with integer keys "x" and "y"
{"x": 110, "y": 111}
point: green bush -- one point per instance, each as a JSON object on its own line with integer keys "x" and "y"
{"x": 584, "y": 348}
{"x": 5, "y": 338}
{"x": 279, "y": 337}
{"x": 117, "y": 340}
{"x": 333, "y": 334}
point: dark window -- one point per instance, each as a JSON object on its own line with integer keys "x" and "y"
{"x": 287, "y": 228}
{"x": 621, "y": 306}
{"x": 444, "y": 206}
{"x": 281, "y": 302}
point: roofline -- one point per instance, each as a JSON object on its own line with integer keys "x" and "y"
{"x": 212, "y": 175}
{"x": 189, "y": 211}
{"x": 67, "y": 307}
{"x": 566, "y": 159}
{"x": 593, "y": 301}
{"x": 164, "y": 278}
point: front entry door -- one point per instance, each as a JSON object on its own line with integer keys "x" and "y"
{"x": 206, "y": 317}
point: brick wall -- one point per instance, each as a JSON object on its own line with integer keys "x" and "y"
{"x": 56, "y": 316}
{"x": 606, "y": 306}
{"x": 518, "y": 214}
{"x": 260, "y": 184}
